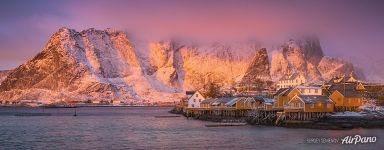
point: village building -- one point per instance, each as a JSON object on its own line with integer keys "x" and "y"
{"x": 194, "y": 99}
{"x": 343, "y": 79}
{"x": 307, "y": 107}
{"x": 283, "y": 96}
{"x": 310, "y": 103}
{"x": 207, "y": 103}
{"x": 310, "y": 90}
{"x": 96, "y": 102}
{"x": 224, "y": 103}
{"x": 245, "y": 103}
{"x": 347, "y": 97}
{"x": 291, "y": 80}
{"x": 115, "y": 102}
{"x": 263, "y": 103}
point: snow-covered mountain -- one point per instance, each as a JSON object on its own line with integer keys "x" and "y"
{"x": 305, "y": 56}
{"x": 3, "y": 75}
{"x": 259, "y": 67}
{"x": 107, "y": 64}
{"x": 330, "y": 67}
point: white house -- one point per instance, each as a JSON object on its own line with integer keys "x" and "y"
{"x": 195, "y": 99}
{"x": 291, "y": 80}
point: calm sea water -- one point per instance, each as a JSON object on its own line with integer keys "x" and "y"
{"x": 137, "y": 128}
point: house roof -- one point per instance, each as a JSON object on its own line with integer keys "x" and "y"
{"x": 308, "y": 87}
{"x": 208, "y": 101}
{"x": 189, "y": 92}
{"x": 264, "y": 100}
{"x": 280, "y": 91}
{"x": 348, "y": 90}
{"x": 341, "y": 79}
{"x": 258, "y": 98}
{"x": 311, "y": 99}
{"x": 285, "y": 93}
{"x": 233, "y": 101}
{"x": 268, "y": 100}
{"x": 223, "y": 100}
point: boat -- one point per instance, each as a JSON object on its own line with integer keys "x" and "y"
{"x": 224, "y": 124}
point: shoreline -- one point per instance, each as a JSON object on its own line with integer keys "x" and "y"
{"x": 329, "y": 123}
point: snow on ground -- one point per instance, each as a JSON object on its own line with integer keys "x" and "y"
{"x": 369, "y": 108}
{"x": 347, "y": 113}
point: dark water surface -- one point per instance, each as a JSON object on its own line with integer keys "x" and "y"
{"x": 137, "y": 128}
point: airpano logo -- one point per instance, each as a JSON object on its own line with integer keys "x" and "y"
{"x": 358, "y": 139}
{"x": 350, "y": 139}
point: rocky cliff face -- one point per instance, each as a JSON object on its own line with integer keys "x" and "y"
{"x": 87, "y": 65}
{"x": 300, "y": 55}
{"x": 4, "y": 74}
{"x": 330, "y": 67}
{"x": 106, "y": 64}
{"x": 259, "y": 68}
{"x": 305, "y": 56}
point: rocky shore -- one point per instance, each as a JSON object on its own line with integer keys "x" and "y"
{"x": 333, "y": 122}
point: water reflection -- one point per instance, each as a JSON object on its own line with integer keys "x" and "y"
{"x": 137, "y": 128}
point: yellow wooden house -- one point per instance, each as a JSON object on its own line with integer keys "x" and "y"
{"x": 308, "y": 107}
{"x": 245, "y": 103}
{"x": 283, "y": 96}
{"x": 310, "y": 103}
{"x": 347, "y": 97}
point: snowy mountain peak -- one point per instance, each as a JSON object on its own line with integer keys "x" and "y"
{"x": 305, "y": 56}
{"x": 106, "y": 65}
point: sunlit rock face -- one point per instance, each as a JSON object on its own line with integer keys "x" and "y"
{"x": 107, "y": 64}
{"x": 4, "y": 74}
{"x": 259, "y": 67}
{"x": 87, "y": 65}
{"x": 305, "y": 56}
{"x": 330, "y": 67}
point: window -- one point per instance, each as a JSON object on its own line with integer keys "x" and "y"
{"x": 199, "y": 100}
{"x": 193, "y": 105}
{"x": 312, "y": 105}
{"x": 194, "y": 100}
{"x": 316, "y": 91}
{"x": 297, "y": 81}
{"x": 197, "y": 95}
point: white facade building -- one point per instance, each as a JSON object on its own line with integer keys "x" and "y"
{"x": 195, "y": 100}
{"x": 291, "y": 81}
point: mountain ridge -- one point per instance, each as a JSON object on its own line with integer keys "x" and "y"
{"x": 106, "y": 64}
